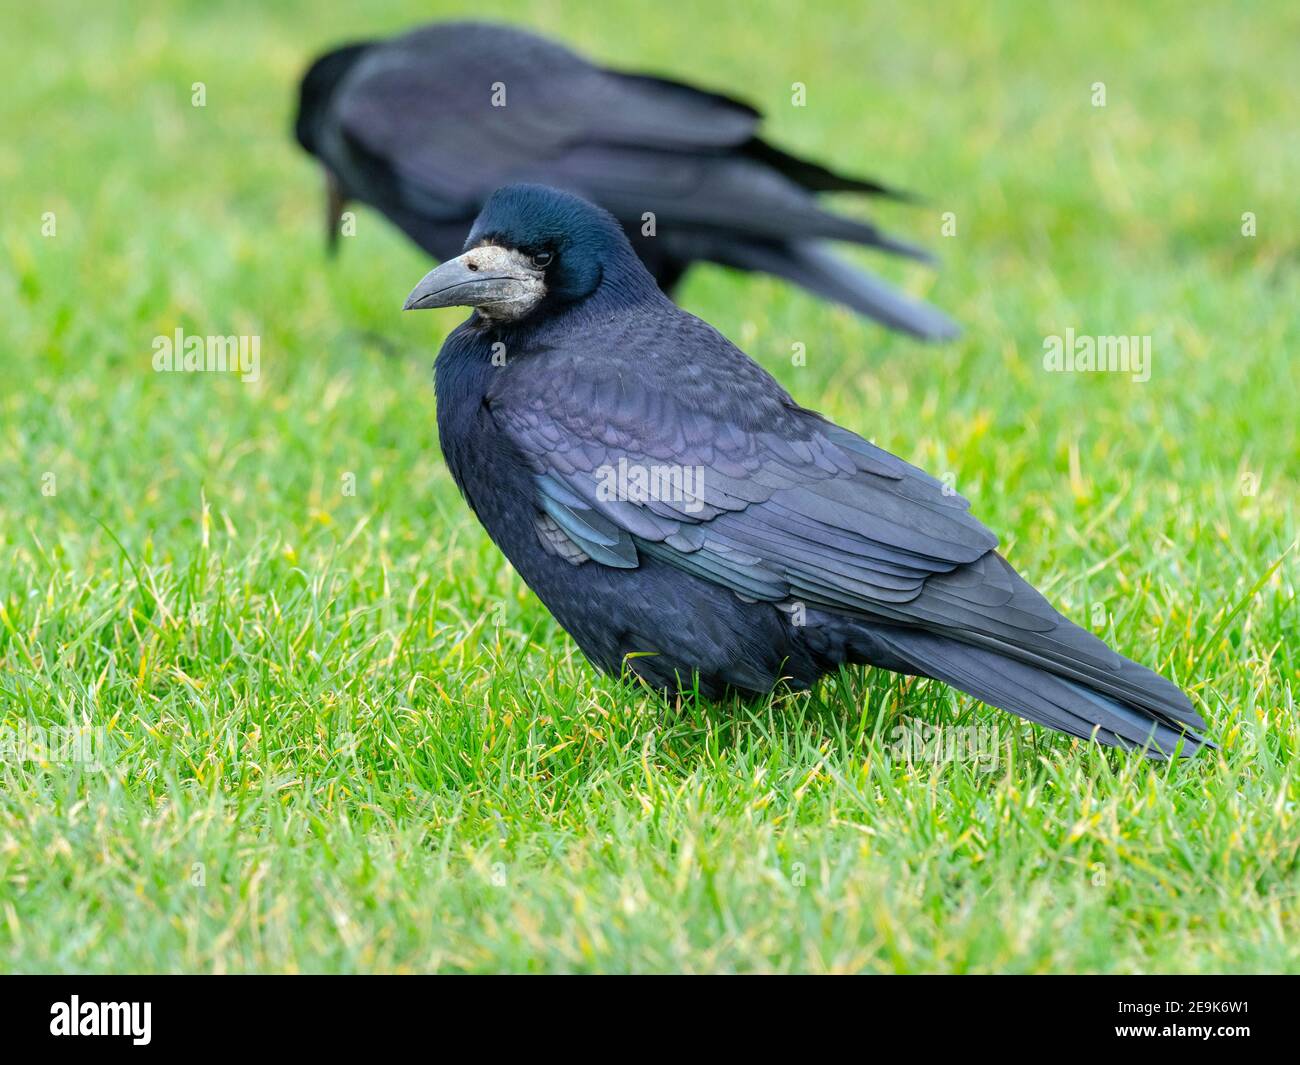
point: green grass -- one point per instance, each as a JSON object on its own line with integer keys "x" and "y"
{"x": 341, "y": 733}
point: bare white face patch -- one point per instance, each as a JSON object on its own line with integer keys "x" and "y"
{"x": 529, "y": 282}
{"x": 501, "y": 283}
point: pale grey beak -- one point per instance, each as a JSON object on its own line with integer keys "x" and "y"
{"x": 495, "y": 279}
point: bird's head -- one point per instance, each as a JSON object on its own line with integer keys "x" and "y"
{"x": 533, "y": 250}
{"x": 316, "y": 92}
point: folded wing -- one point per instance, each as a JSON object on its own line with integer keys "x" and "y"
{"x": 780, "y": 505}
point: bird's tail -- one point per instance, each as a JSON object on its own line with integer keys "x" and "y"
{"x": 812, "y": 266}
{"x": 1139, "y": 709}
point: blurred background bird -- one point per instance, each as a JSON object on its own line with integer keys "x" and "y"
{"x": 425, "y": 126}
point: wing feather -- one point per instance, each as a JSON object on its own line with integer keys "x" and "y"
{"x": 791, "y": 508}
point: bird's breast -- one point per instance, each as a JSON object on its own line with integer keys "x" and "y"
{"x": 486, "y": 466}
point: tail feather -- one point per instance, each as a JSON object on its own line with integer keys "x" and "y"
{"x": 1040, "y": 696}
{"x": 987, "y": 604}
{"x": 813, "y": 267}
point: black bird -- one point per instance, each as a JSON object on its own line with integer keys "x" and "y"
{"x": 683, "y": 518}
{"x": 425, "y": 126}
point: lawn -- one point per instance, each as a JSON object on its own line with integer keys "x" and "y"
{"x": 325, "y": 727}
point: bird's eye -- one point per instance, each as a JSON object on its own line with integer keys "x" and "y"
{"x": 542, "y": 259}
